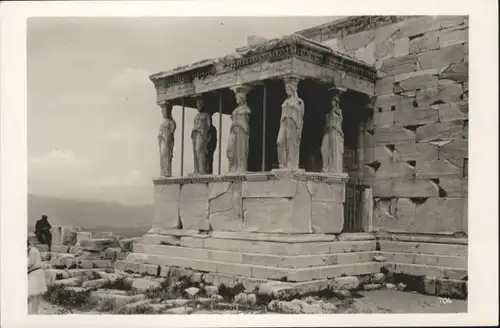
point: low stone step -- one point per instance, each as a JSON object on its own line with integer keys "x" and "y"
{"x": 180, "y": 310}
{"x": 95, "y": 284}
{"x": 87, "y": 273}
{"x": 422, "y": 238}
{"x": 90, "y": 264}
{"x": 142, "y": 285}
{"x": 52, "y": 275}
{"x": 62, "y": 260}
{"x": 258, "y": 271}
{"x": 59, "y": 248}
{"x": 284, "y": 261}
{"x": 75, "y": 282}
{"x": 138, "y": 267}
{"x": 426, "y": 270}
{"x": 423, "y": 248}
{"x": 265, "y": 247}
{"x": 445, "y": 287}
{"x": 119, "y": 297}
{"x": 291, "y": 238}
{"x": 457, "y": 262}
{"x": 99, "y": 244}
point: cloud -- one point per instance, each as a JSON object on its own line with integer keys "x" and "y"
{"x": 59, "y": 159}
{"x": 59, "y": 172}
{"x": 132, "y": 178}
{"x": 63, "y": 173}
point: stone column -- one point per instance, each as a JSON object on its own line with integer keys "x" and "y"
{"x": 200, "y": 137}
{"x": 332, "y": 146}
{"x": 290, "y": 132}
{"x": 166, "y": 139}
{"x": 239, "y": 132}
{"x": 367, "y": 111}
{"x": 367, "y": 211}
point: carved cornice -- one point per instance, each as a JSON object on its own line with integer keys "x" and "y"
{"x": 273, "y": 50}
{"x": 254, "y": 176}
{"x": 182, "y": 77}
{"x": 351, "y": 25}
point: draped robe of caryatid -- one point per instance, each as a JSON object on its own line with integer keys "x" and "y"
{"x": 239, "y": 134}
{"x": 166, "y": 145}
{"x": 332, "y": 146}
{"x": 290, "y": 133}
{"x": 200, "y": 137}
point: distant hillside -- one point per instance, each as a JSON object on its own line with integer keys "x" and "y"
{"x": 91, "y": 215}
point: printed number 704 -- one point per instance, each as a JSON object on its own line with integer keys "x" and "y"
{"x": 445, "y": 300}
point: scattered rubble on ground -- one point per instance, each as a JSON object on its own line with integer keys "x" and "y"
{"x": 87, "y": 274}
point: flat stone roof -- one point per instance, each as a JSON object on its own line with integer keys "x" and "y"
{"x": 268, "y": 51}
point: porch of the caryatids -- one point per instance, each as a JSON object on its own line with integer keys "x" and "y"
{"x": 332, "y": 146}
{"x": 239, "y": 131}
{"x": 291, "y": 123}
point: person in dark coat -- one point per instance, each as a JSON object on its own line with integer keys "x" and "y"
{"x": 212, "y": 145}
{"x": 42, "y": 231}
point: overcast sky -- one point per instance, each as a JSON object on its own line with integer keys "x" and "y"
{"x": 92, "y": 113}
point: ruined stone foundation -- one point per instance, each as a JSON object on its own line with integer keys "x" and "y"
{"x": 283, "y": 226}
{"x": 275, "y": 226}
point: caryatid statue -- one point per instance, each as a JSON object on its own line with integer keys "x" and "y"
{"x": 166, "y": 140}
{"x": 290, "y": 132}
{"x": 332, "y": 146}
{"x": 239, "y": 132}
{"x": 200, "y": 137}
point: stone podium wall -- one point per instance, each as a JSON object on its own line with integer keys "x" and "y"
{"x": 256, "y": 202}
{"x": 417, "y": 143}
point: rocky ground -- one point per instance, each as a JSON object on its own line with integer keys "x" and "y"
{"x": 83, "y": 276}
{"x": 382, "y": 301}
{"x": 95, "y": 291}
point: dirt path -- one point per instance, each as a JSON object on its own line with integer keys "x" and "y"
{"x": 49, "y": 308}
{"x": 389, "y": 301}
{"x": 380, "y": 301}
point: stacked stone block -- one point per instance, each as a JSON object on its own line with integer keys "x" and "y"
{"x": 73, "y": 248}
{"x": 416, "y": 145}
{"x": 300, "y": 203}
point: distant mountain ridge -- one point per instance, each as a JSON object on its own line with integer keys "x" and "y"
{"x": 129, "y": 220}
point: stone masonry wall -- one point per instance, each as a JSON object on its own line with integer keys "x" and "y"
{"x": 80, "y": 251}
{"x": 417, "y": 142}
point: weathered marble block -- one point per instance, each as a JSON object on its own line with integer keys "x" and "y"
{"x": 268, "y": 202}
{"x": 326, "y": 192}
{"x": 300, "y": 222}
{"x": 267, "y": 214}
{"x": 166, "y": 214}
{"x": 432, "y": 215}
{"x": 64, "y": 235}
{"x": 327, "y": 217}
{"x": 225, "y": 206}
{"x": 193, "y": 206}
{"x": 270, "y": 188}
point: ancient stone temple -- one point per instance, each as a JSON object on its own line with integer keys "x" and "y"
{"x": 347, "y": 153}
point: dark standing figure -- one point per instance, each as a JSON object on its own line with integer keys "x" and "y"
{"x": 212, "y": 145}
{"x": 42, "y": 231}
